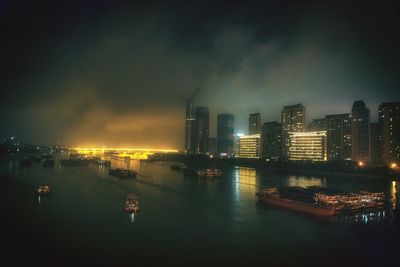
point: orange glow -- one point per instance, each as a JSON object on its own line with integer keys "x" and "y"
{"x": 133, "y": 153}
{"x": 360, "y": 163}
{"x": 393, "y": 165}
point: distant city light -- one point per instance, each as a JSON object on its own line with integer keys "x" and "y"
{"x": 360, "y": 163}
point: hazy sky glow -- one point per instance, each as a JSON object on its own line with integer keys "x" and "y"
{"x": 117, "y": 74}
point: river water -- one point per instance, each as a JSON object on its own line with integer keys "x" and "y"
{"x": 185, "y": 220}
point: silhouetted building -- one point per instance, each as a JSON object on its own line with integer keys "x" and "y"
{"x": 212, "y": 145}
{"x": 254, "y": 123}
{"x": 271, "y": 138}
{"x": 202, "y": 129}
{"x": 338, "y": 128}
{"x": 360, "y": 132}
{"x": 309, "y": 146}
{"x": 190, "y": 123}
{"x": 225, "y": 132}
{"x": 376, "y": 155}
{"x": 389, "y": 121}
{"x": 317, "y": 125}
{"x": 293, "y": 120}
{"x": 250, "y": 146}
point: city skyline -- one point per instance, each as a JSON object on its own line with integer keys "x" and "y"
{"x": 123, "y": 80}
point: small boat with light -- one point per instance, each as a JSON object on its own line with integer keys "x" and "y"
{"x": 43, "y": 190}
{"x": 132, "y": 204}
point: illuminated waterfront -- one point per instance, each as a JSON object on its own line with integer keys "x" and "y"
{"x": 182, "y": 218}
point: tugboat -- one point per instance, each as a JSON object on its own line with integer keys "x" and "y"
{"x": 43, "y": 190}
{"x": 132, "y": 203}
{"x": 122, "y": 173}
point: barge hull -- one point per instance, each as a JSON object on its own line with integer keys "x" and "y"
{"x": 298, "y": 206}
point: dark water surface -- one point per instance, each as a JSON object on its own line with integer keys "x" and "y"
{"x": 184, "y": 220}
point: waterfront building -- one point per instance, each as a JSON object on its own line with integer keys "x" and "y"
{"x": 338, "y": 127}
{"x": 225, "y": 132}
{"x": 292, "y": 120}
{"x": 317, "y": 125}
{"x": 190, "y": 124}
{"x": 389, "y": 124}
{"x": 254, "y": 123}
{"x": 360, "y": 132}
{"x": 236, "y": 144}
{"x": 309, "y": 146}
{"x": 271, "y": 140}
{"x": 202, "y": 130}
{"x": 250, "y": 146}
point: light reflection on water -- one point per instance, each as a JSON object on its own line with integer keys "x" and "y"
{"x": 306, "y": 181}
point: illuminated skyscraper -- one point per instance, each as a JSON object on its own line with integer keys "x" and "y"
{"x": 360, "y": 132}
{"x": 254, "y": 123}
{"x": 202, "y": 129}
{"x": 338, "y": 136}
{"x": 293, "y": 120}
{"x": 271, "y": 138}
{"x": 250, "y": 146}
{"x": 190, "y": 128}
{"x": 307, "y": 146}
{"x": 389, "y": 124}
{"x": 225, "y": 131}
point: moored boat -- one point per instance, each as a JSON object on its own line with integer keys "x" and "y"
{"x": 122, "y": 173}
{"x": 272, "y": 196}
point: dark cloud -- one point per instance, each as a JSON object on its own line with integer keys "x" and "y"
{"x": 106, "y": 73}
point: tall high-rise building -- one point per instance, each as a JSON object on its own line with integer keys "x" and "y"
{"x": 271, "y": 139}
{"x": 376, "y": 155}
{"x": 190, "y": 123}
{"x": 317, "y": 125}
{"x": 307, "y": 146}
{"x": 293, "y": 120}
{"x": 360, "y": 132}
{"x": 389, "y": 122}
{"x": 250, "y": 146}
{"x": 202, "y": 129}
{"x": 225, "y": 131}
{"x": 254, "y": 123}
{"x": 338, "y": 128}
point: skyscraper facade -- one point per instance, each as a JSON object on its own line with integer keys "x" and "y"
{"x": 338, "y": 128}
{"x": 389, "y": 124}
{"x": 376, "y": 154}
{"x": 292, "y": 120}
{"x": 309, "y": 146}
{"x": 225, "y": 132}
{"x": 250, "y": 146}
{"x": 202, "y": 129}
{"x": 360, "y": 132}
{"x": 190, "y": 123}
{"x": 254, "y": 123}
{"x": 271, "y": 139}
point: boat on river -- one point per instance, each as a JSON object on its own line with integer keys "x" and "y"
{"x": 296, "y": 198}
{"x": 122, "y": 173}
{"x": 43, "y": 190}
{"x": 132, "y": 204}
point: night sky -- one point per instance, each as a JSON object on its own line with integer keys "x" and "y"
{"x": 118, "y": 74}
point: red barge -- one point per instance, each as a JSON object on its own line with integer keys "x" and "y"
{"x": 272, "y": 196}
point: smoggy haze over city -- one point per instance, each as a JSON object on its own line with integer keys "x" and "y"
{"x": 118, "y": 74}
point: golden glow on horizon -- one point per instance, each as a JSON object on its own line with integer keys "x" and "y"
{"x": 393, "y": 165}
{"x": 132, "y": 153}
